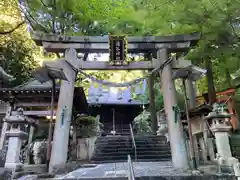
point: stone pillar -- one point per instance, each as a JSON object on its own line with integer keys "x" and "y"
{"x": 5, "y": 126}
{"x": 191, "y": 93}
{"x": 205, "y": 130}
{"x": 30, "y": 138}
{"x": 14, "y": 147}
{"x": 175, "y": 128}
{"x": 154, "y": 122}
{"x": 64, "y": 111}
{"x": 197, "y": 154}
{"x": 204, "y": 153}
{"x": 15, "y": 136}
{"x": 210, "y": 148}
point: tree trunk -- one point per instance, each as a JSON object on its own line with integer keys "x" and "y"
{"x": 228, "y": 78}
{"x": 154, "y": 123}
{"x": 211, "y": 89}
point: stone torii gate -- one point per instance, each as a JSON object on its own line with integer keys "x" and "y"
{"x": 70, "y": 46}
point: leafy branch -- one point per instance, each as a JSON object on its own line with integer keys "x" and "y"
{"x": 13, "y": 29}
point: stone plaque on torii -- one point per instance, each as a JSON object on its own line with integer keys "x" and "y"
{"x": 70, "y": 64}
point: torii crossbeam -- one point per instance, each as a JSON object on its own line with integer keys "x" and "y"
{"x": 96, "y": 44}
{"x": 99, "y": 44}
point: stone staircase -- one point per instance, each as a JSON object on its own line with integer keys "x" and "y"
{"x": 121, "y": 129}
{"x": 116, "y": 148}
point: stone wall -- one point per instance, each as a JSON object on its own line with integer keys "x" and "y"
{"x": 3, "y": 110}
{"x": 3, "y": 107}
{"x": 83, "y": 151}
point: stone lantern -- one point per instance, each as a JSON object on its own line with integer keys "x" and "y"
{"x": 220, "y": 127}
{"x": 15, "y": 137}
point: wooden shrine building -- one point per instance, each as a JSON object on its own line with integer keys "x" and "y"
{"x": 35, "y": 98}
{"x": 117, "y": 108}
{"x": 226, "y": 97}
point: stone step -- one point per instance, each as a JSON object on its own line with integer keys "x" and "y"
{"x": 114, "y": 143}
{"x": 116, "y": 148}
{"x": 115, "y": 153}
{"x": 124, "y": 157}
{"x": 150, "y": 142}
{"x": 133, "y": 160}
{"x": 149, "y": 137}
{"x": 129, "y": 148}
{"x": 123, "y": 145}
{"x": 111, "y": 148}
{"x": 120, "y": 141}
{"x": 152, "y": 137}
{"x": 127, "y": 145}
{"x": 111, "y": 137}
{"x": 108, "y": 151}
{"x": 130, "y": 139}
{"x": 152, "y": 149}
{"x": 138, "y": 159}
{"x": 130, "y": 143}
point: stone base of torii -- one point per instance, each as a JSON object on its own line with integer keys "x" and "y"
{"x": 70, "y": 64}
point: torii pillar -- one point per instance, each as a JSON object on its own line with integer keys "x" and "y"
{"x": 64, "y": 111}
{"x": 191, "y": 93}
{"x": 175, "y": 128}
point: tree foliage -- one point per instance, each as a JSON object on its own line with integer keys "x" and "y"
{"x": 218, "y": 21}
{"x": 87, "y": 17}
{"x": 16, "y": 47}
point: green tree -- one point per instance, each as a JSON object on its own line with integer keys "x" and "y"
{"x": 16, "y": 47}
{"x": 94, "y": 17}
{"x": 218, "y": 21}
{"x": 88, "y": 17}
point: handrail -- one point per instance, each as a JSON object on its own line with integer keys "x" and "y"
{"x": 131, "y": 175}
{"x": 133, "y": 141}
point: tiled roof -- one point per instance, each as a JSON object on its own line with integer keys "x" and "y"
{"x": 34, "y": 84}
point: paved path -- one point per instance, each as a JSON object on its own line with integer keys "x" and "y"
{"x": 120, "y": 169}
